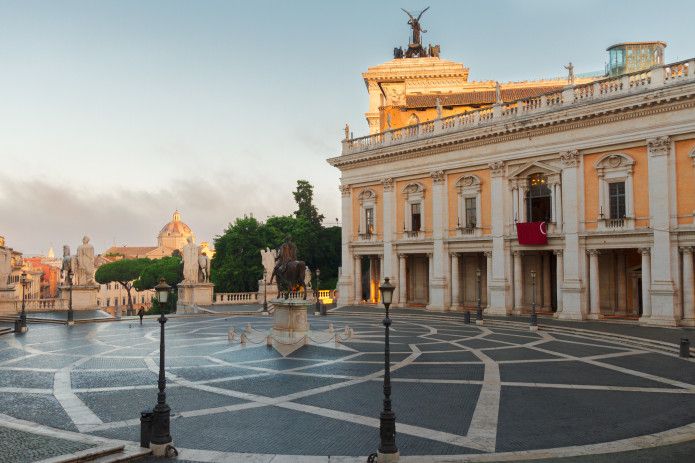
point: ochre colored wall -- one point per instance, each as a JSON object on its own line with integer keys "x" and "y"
{"x": 640, "y": 190}
{"x": 400, "y": 205}
{"x": 378, "y": 189}
{"x": 485, "y": 211}
{"x": 400, "y": 116}
{"x": 685, "y": 181}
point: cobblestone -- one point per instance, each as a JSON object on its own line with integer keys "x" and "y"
{"x": 25, "y": 447}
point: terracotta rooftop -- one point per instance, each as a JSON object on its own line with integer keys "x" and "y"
{"x": 129, "y": 252}
{"x": 477, "y": 98}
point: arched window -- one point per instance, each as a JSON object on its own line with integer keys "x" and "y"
{"x": 538, "y": 199}
{"x": 469, "y": 214}
{"x": 367, "y": 227}
{"x": 414, "y": 213}
{"x": 615, "y": 194}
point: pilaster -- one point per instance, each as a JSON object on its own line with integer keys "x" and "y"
{"x": 346, "y": 285}
{"x": 438, "y": 285}
{"x": 498, "y": 284}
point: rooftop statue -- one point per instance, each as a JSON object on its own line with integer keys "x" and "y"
{"x": 415, "y": 25}
{"x": 570, "y": 73}
{"x": 415, "y": 48}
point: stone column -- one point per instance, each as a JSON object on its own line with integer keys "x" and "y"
{"x": 455, "y": 283}
{"x": 498, "y": 283}
{"x": 547, "y": 299}
{"x": 488, "y": 275}
{"x": 346, "y": 285}
{"x": 372, "y": 277}
{"x": 688, "y": 288}
{"x": 518, "y": 282}
{"x": 646, "y": 283}
{"x": 558, "y": 207}
{"x": 621, "y": 278}
{"x": 665, "y": 304}
{"x": 573, "y": 287}
{"x": 390, "y": 259}
{"x": 559, "y": 278}
{"x": 358, "y": 279}
{"x": 402, "y": 287}
{"x": 594, "y": 294}
{"x": 438, "y": 262}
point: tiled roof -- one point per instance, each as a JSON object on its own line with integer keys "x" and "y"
{"x": 476, "y": 98}
{"x": 129, "y": 252}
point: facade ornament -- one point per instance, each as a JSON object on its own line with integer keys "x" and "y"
{"x": 437, "y": 176}
{"x": 344, "y": 190}
{"x": 569, "y": 158}
{"x": 570, "y": 73}
{"x": 659, "y": 146}
{"x": 645, "y": 251}
{"x": 487, "y": 254}
{"x": 687, "y": 250}
{"x": 692, "y": 156}
{"x": 593, "y": 252}
{"x": 497, "y": 168}
{"x": 388, "y": 183}
{"x": 557, "y": 252}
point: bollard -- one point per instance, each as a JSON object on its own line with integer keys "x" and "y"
{"x": 685, "y": 347}
{"x": 145, "y": 428}
{"x": 467, "y": 317}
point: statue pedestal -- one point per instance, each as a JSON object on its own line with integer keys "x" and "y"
{"x": 290, "y": 325}
{"x": 195, "y": 294}
{"x": 84, "y": 297}
{"x": 271, "y": 291}
{"x": 8, "y": 301}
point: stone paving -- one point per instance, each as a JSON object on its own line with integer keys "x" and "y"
{"x": 460, "y": 392}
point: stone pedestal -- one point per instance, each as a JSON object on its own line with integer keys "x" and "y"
{"x": 84, "y": 297}
{"x": 195, "y": 294}
{"x": 271, "y": 291}
{"x": 290, "y": 325}
{"x": 8, "y": 301}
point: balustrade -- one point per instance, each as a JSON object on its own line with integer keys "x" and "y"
{"x": 236, "y": 298}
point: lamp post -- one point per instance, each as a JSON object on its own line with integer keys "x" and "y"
{"x": 534, "y": 317}
{"x": 161, "y": 437}
{"x": 318, "y": 293}
{"x": 22, "y": 328}
{"x": 71, "y": 315}
{"x": 388, "y": 451}
{"x": 265, "y": 291}
{"x": 479, "y": 310}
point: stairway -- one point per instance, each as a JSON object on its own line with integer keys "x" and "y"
{"x": 106, "y": 454}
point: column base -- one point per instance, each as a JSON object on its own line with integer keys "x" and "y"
{"x": 388, "y": 457}
{"x": 593, "y": 316}
{"x": 480, "y": 322}
{"x": 533, "y": 328}
{"x": 658, "y": 321}
{"x": 569, "y": 316}
{"x": 687, "y": 322}
{"x": 435, "y": 308}
{"x": 498, "y": 311}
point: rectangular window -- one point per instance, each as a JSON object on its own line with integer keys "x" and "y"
{"x": 415, "y": 217}
{"x": 369, "y": 219}
{"x": 471, "y": 213}
{"x": 616, "y": 194}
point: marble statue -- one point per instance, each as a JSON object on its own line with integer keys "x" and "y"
{"x": 570, "y": 73}
{"x": 191, "y": 264}
{"x": 498, "y": 93}
{"x": 347, "y": 131}
{"x": 307, "y": 277}
{"x": 268, "y": 257}
{"x": 439, "y": 108}
{"x": 85, "y": 263}
{"x": 204, "y": 268}
{"x": 5, "y": 265}
{"x": 67, "y": 268}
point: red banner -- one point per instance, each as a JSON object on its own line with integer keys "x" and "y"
{"x": 532, "y": 233}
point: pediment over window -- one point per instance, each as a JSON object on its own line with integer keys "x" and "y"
{"x": 414, "y": 188}
{"x": 615, "y": 161}
{"x": 535, "y": 167}
{"x": 367, "y": 195}
{"x": 468, "y": 181}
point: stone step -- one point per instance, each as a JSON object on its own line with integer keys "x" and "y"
{"x": 6, "y": 331}
{"x": 104, "y": 454}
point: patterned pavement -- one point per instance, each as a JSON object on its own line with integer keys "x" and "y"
{"x": 460, "y": 392}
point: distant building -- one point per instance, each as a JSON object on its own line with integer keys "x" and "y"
{"x": 627, "y": 57}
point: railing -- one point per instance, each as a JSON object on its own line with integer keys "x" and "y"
{"x": 327, "y": 296}
{"x": 597, "y": 90}
{"x": 236, "y": 298}
{"x": 409, "y": 234}
{"x": 39, "y": 305}
{"x": 467, "y": 231}
{"x": 614, "y": 223}
{"x": 366, "y": 236}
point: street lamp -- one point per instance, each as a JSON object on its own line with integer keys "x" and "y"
{"x": 318, "y": 293}
{"x": 22, "y": 328}
{"x": 387, "y": 423}
{"x": 534, "y": 317}
{"x": 71, "y": 319}
{"x": 160, "y": 443}
{"x": 479, "y": 311}
{"x": 265, "y": 291}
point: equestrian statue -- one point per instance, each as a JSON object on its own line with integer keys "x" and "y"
{"x": 289, "y": 271}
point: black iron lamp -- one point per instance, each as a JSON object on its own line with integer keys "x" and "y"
{"x": 387, "y": 423}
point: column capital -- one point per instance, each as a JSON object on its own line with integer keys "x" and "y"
{"x": 437, "y": 176}
{"x": 569, "y": 158}
{"x": 686, "y": 249}
{"x": 344, "y": 190}
{"x": 487, "y": 253}
{"x": 645, "y": 251}
{"x": 557, "y": 252}
{"x": 593, "y": 252}
{"x": 517, "y": 253}
{"x": 497, "y": 168}
{"x": 454, "y": 254}
{"x": 659, "y": 146}
{"x": 388, "y": 183}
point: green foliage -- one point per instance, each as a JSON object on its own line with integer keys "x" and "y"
{"x": 121, "y": 271}
{"x": 169, "y": 268}
{"x": 237, "y": 264}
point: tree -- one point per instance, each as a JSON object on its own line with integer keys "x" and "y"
{"x": 169, "y": 268}
{"x": 123, "y": 272}
{"x": 304, "y": 197}
{"x": 237, "y": 266}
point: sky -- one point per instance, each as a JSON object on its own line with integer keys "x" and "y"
{"x": 115, "y": 113}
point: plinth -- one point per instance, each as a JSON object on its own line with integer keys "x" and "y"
{"x": 195, "y": 293}
{"x": 8, "y": 301}
{"x": 290, "y": 325}
{"x": 84, "y": 297}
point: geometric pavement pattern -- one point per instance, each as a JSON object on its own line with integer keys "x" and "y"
{"x": 468, "y": 392}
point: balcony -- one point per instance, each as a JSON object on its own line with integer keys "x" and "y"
{"x": 470, "y": 232}
{"x": 366, "y": 236}
{"x": 413, "y": 234}
{"x": 623, "y": 223}
{"x": 657, "y": 78}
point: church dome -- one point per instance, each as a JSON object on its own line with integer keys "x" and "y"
{"x": 174, "y": 234}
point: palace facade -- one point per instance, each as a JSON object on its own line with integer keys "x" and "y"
{"x": 606, "y": 165}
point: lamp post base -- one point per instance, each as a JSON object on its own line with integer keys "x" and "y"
{"x": 533, "y": 328}
{"x": 160, "y": 450}
{"x": 387, "y": 457}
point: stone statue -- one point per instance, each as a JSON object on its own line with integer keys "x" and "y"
{"x": 498, "y": 93}
{"x": 85, "y": 263}
{"x": 439, "y": 108}
{"x": 347, "y": 131}
{"x": 307, "y": 277}
{"x": 191, "y": 264}
{"x": 268, "y": 257}
{"x": 204, "y": 268}
{"x": 433, "y": 51}
{"x": 290, "y": 272}
{"x": 570, "y": 73}
{"x": 5, "y": 265}
{"x": 398, "y": 52}
{"x": 67, "y": 268}
{"x": 417, "y": 29}
{"x": 388, "y": 122}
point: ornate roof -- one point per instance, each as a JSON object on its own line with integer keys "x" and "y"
{"x": 176, "y": 227}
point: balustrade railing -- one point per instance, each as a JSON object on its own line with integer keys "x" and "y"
{"x": 236, "y": 298}
{"x": 614, "y": 223}
{"x": 609, "y": 87}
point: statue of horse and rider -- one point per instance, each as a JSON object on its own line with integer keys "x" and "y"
{"x": 289, "y": 271}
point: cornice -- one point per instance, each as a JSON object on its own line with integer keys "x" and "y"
{"x": 562, "y": 120}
